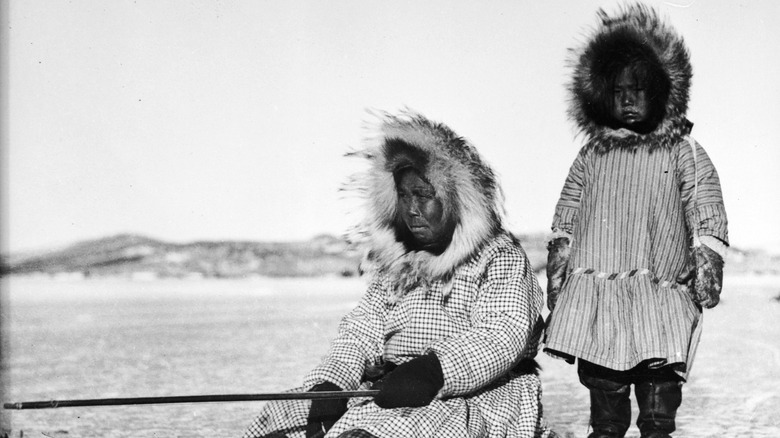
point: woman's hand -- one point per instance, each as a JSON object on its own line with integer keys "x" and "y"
{"x": 323, "y": 414}
{"x": 412, "y": 384}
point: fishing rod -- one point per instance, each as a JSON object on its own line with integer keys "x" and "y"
{"x": 319, "y": 395}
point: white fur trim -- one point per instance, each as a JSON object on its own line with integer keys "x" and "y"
{"x": 466, "y": 184}
{"x": 714, "y": 244}
{"x": 558, "y": 233}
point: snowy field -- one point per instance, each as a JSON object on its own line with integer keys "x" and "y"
{"x": 118, "y": 338}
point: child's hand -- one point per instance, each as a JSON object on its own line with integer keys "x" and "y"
{"x": 557, "y": 262}
{"x": 705, "y": 278}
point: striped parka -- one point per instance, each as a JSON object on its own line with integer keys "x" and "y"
{"x": 633, "y": 204}
{"x": 631, "y": 216}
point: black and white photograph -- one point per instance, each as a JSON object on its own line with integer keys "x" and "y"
{"x": 368, "y": 219}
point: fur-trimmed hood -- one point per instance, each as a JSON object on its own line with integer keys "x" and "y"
{"x": 635, "y": 32}
{"x": 466, "y": 185}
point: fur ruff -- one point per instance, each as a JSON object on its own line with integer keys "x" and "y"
{"x": 467, "y": 186}
{"x": 635, "y": 31}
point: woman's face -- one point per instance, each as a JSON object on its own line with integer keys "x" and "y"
{"x": 421, "y": 210}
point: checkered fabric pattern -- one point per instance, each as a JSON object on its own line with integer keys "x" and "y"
{"x": 488, "y": 321}
{"x": 356, "y": 433}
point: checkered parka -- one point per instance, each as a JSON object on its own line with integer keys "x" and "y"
{"x": 487, "y": 322}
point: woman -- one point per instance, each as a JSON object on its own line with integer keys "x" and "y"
{"x": 451, "y": 319}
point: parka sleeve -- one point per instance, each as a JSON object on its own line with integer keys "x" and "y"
{"x": 358, "y": 342}
{"x": 705, "y": 212}
{"x": 505, "y": 325}
{"x": 568, "y": 206}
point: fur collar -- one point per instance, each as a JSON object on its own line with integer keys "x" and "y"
{"x": 466, "y": 185}
{"x": 635, "y": 31}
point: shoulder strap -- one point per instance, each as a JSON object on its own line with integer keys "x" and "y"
{"x": 692, "y": 143}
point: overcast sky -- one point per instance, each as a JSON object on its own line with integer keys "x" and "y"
{"x": 185, "y": 120}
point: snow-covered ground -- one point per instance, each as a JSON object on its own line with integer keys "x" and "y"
{"x": 734, "y": 387}
{"x": 74, "y": 339}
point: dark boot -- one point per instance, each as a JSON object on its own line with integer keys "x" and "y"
{"x": 610, "y": 403}
{"x": 610, "y": 412}
{"x": 658, "y": 400}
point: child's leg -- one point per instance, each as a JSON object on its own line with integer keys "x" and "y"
{"x": 610, "y": 403}
{"x": 658, "y": 394}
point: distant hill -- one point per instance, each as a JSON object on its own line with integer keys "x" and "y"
{"x": 137, "y": 256}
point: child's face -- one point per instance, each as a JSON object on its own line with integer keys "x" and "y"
{"x": 630, "y": 104}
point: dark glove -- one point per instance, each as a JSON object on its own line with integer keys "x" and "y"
{"x": 703, "y": 276}
{"x": 323, "y": 414}
{"x": 411, "y": 384}
{"x": 375, "y": 372}
{"x": 557, "y": 261}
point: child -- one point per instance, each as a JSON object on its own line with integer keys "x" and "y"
{"x": 641, "y": 204}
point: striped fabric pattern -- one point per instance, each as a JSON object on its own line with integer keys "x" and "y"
{"x": 489, "y": 320}
{"x": 631, "y": 216}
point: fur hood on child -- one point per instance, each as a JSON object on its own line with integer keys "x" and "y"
{"x": 635, "y": 33}
{"x": 466, "y": 185}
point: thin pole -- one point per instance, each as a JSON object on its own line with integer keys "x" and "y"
{"x": 49, "y": 404}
